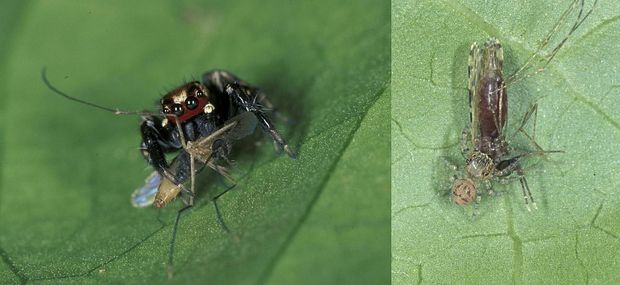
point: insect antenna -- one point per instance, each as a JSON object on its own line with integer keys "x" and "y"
{"x": 107, "y": 109}
{"x": 576, "y": 25}
{"x": 581, "y": 17}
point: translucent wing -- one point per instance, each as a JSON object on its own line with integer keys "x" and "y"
{"x": 474, "y": 70}
{"x": 245, "y": 126}
{"x": 236, "y": 128}
{"x": 144, "y": 196}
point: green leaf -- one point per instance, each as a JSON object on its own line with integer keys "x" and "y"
{"x": 68, "y": 170}
{"x": 574, "y": 236}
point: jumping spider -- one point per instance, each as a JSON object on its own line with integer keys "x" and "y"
{"x": 199, "y": 121}
{"x": 198, "y": 110}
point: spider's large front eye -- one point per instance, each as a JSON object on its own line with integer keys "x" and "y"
{"x": 191, "y": 103}
{"x": 177, "y": 109}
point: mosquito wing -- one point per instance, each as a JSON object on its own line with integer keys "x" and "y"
{"x": 236, "y": 128}
{"x": 245, "y": 126}
{"x": 144, "y": 196}
{"x": 474, "y": 70}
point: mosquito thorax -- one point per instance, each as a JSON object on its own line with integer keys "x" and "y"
{"x": 480, "y": 165}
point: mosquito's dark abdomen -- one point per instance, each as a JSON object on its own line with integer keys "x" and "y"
{"x": 493, "y": 106}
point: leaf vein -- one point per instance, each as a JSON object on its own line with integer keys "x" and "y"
{"x": 289, "y": 239}
{"x": 23, "y": 279}
{"x": 110, "y": 260}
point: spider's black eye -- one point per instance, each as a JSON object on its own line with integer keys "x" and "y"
{"x": 191, "y": 103}
{"x": 166, "y": 109}
{"x": 177, "y": 109}
{"x": 199, "y": 93}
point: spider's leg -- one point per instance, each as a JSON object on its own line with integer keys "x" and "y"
{"x": 249, "y": 103}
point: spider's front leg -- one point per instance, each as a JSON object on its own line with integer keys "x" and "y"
{"x": 248, "y": 100}
{"x": 157, "y": 140}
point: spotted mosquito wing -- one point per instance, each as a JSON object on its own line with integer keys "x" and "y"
{"x": 144, "y": 196}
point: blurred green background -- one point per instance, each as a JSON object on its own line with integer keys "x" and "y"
{"x": 67, "y": 170}
{"x": 573, "y": 238}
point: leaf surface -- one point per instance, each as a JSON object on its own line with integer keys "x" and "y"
{"x": 68, "y": 170}
{"x": 573, "y": 238}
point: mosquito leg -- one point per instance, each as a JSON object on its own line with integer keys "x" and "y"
{"x": 220, "y": 220}
{"x": 528, "y": 115}
{"x": 526, "y": 191}
{"x": 189, "y": 205}
{"x": 218, "y": 213}
{"x": 507, "y": 180}
{"x": 535, "y": 122}
{"x": 192, "y": 172}
{"x": 181, "y": 134}
{"x": 449, "y": 164}
{"x": 525, "y": 196}
{"x": 464, "y": 141}
{"x": 525, "y": 188}
{"x": 489, "y": 186}
{"x": 221, "y": 170}
{"x": 476, "y": 211}
{"x": 173, "y": 240}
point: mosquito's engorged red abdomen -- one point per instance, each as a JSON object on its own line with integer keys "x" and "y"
{"x": 490, "y": 100}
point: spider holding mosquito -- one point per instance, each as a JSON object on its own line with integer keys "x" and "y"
{"x": 199, "y": 121}
{"x": 484, "y": 143}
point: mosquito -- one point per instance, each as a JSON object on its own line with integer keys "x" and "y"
{"x": 484, "y": 143}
